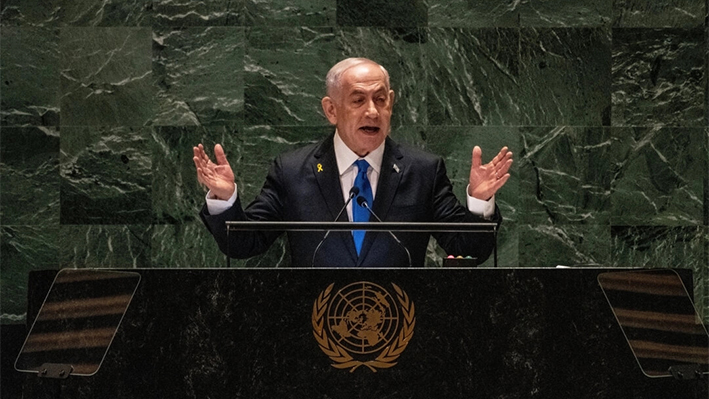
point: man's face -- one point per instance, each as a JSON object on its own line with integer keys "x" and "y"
{"x": 361, "y": 108}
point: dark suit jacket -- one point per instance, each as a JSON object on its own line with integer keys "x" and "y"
{"x": 296, "y": 191}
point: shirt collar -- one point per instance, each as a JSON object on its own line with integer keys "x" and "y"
{"x": 346, "y": 157}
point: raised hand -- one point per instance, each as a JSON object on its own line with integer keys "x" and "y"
{"x": 217, "y": 177}
{"x": 486, "y": 179}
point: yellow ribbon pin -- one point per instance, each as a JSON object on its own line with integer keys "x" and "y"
{"x": 319, "y": 167}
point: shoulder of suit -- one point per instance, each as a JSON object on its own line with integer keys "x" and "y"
{"x": 302, "y": 153}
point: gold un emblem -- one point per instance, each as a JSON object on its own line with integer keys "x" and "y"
{"x": 363, "y": 325}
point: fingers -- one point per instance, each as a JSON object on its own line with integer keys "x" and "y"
{"x": 203, "y": 165}
{"x": 477, "y": 157}
{"x": 501, "y": 156}
{"x": 504, "y": 167}
{"x": 197, "y": 158}
{"x": 502, "y": 162}
{"x": 219, "y": 155}
{"x": 497, "y": 162}
{"x": 500, "y": 182}
{"x": 200, "y": 157}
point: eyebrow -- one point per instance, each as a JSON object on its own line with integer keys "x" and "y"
{"x": 358, "y": 92}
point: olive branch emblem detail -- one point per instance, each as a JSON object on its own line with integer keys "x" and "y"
{"x": 388, "y": 348}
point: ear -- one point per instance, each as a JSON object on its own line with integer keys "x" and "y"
{"x": 328, "y": 107}
{"x": 391, "y": 99}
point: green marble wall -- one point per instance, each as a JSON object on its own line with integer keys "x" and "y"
{"x": 604, "y": 103}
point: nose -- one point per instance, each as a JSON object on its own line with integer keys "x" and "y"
{"x": 372, "y": 111}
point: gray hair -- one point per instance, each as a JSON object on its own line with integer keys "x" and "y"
{"x": 333, "y": 80}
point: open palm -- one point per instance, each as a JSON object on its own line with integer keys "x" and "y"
{"x": 217, "y": 177}
{"x": 486, "y": 179}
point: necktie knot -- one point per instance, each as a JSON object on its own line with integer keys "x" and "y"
{"x": 362, "y": 167}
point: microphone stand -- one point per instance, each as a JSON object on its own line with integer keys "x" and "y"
{"x": 353, "y": 193}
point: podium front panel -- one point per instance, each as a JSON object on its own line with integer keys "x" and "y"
{"x": 374, "y": 333}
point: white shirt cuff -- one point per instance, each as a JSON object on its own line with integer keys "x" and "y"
{"x": 480, "y": 207}
{"x": 217, "y": 206}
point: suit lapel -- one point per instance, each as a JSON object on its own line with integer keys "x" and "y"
{"x": 328, "y": 177}
{"x": 390, "y": 174}
{"x": 393, "y": 167}
{"x": 324, "y": 169}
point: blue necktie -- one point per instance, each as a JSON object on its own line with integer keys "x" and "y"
{"x": 360, "y": 213}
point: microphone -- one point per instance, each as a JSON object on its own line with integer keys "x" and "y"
{"x": 363, "y": 203}
{"x": 354, "y": 191}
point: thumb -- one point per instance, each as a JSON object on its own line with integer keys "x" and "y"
{"x": 477, "y": 157}
{"x": 219, "y": 155}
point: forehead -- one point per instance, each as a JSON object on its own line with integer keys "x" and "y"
{"x": 363, "y": 77}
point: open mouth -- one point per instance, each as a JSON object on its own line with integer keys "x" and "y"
{"x": 369, "y": 129}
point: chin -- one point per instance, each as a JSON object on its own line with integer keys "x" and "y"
{"x": 372, "y": 143}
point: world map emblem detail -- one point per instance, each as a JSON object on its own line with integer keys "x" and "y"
{"x": 362, "y": 324}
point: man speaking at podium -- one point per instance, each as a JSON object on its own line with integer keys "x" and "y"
{"x": 359, "y": 163}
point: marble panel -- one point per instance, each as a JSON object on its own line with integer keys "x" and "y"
{"x": 284, "y": 77}
{"x": 290, "y": 12}
{"x": 658, "y": 77}
{"x": 564, "y": 13}
{"x": 177, "y": 196}
{"x": 702, "y": 283}
{"x": 401, "y": 52}
{"x": 106, "y": 175}
{"x": 106, "y": 76}
{"x": 22, "y": 249}
{"x": 455, "y": 145}
{"x": 473, "y": 76}
{"x": 29, "y": 65}
{"x": 474, "y": 14}
{"x": 102, "y": 246}
{"x": 414, "y": 136}
{"x": 706, "y": 176}
{"x": 29, "y": 171}
{"x": 681, "y": 247}
{"x": 564, "y": 77}
{"x": 199, "y": 73}
{"x": 184, "y": 245}
{"x": 77, "y": 12}
{"x": 565, "y": 175}
{"x": 198, "y": 13}
{"x": 514, "y": 13}
{"x": 658, "y": 176}
{"x": 658, "y": 13}
{"x": 568, "y": 245}
{"x": 395, "y": 14}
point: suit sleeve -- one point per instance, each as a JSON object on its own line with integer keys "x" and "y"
{"x": 447, "y": 208}
{"x": 267, "y": 206}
